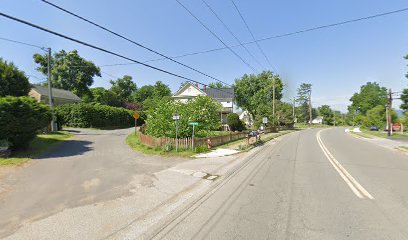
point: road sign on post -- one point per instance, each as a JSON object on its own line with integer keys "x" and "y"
{"x": 192, "y": 137}
{"x": 176, "y": 117}
{"x": 264, "y": 120}
{"x": 136, "y": 116}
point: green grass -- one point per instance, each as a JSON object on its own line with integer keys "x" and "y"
{"x": 361, "y": 134}
{"x": 263, "y": 140}
{"x": 39, "y": 145}
{"x": 133, "y": 141}
{"x": 395, "y": 136}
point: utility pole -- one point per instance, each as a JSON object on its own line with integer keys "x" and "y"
{"x": 293, "y": 108}
{"x": 388, "y": 112}
{"x": 310, "y": 107}
{"x": 273, "y": 101}
{"x": 51, "y": 101}
{"x": 334, "y": 116}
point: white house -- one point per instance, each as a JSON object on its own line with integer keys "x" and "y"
{"x": 247, "y": 118}
{"x": 223, "y": 95}
{"x": 318, "y": 120}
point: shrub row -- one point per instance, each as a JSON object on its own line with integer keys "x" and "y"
{"x": 20, "y": 120}
{"x": 100, "y": 116}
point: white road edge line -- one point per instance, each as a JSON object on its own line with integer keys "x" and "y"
{"x": 356, "y": 187}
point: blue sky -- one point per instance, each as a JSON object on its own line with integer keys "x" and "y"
{"x": 337, "y": 61}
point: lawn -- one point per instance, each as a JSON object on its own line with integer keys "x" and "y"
{"x": 39, "y": 145}
{"x": 395, "y": 136}
{"x": 133, "y": 141}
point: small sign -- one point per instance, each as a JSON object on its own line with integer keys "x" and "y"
{"x": 193, "y": 123}
{"x": 136, "y": 116}
{"x": 176, "y": 117}
{"x": 264, "y": 120}
{"x": 252, "y": 140}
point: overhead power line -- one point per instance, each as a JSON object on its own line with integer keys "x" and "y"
{"x": 93, "y": 46}
{"x": 98, "y": 48}
{"x": 229, "y": 30}
{"x": 22, "y": 43}
{"x": 215, "y": 35}
{"x": 252, "y": 35}
{"x": 278, "y": 36}
{"x": 131, "y": 41}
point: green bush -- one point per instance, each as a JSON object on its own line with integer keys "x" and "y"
{"x": 234, "y": 122}
{"x": 201, "y": 149}
{"x": 100, "y": 116}
{"x": 20, "y": 120}
{"x": 204, "y": 110}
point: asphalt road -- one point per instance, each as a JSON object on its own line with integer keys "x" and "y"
{"x": 93, "y": 167}
{"x": 313, "y": 184}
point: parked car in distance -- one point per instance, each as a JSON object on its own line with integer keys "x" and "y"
{"x": 374, "y": 128}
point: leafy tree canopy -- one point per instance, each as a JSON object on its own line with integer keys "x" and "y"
{"x": 201, "y": 109}
{"x": 303, "y": 96}
{"x": 217, "y": 85}
{"x": 69, "y": 71}
{"x": 327, "y": 113}
{"x": 13, "y": 82}
{"x": 252, "y": 91}
{"x": 123, "y": 87}
{"x": 371, "y": 95}
{"x": 157, "y": 91}
{"x": 404, "y": 95}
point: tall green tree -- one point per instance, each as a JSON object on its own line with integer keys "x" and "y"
{"x": 216, "y": 85}
{"x": 327, "y": 113}
{"x": 371, "y": 95}
{"x": 201, "y": 109}
{"x": 69, "y": 71}
{"x": 375, "y": 117}
{"x": 252, "y": 91}
{"x": 404, "y": 95}
{"x": 143, "y": 93}
{"x": 105, "y": 97}
{"x": 303, "y": 99}
{"x": 157, "y": 91}
{"x": 123, "y": 87}
{"x": 161, "y": 90}
{"x": 13, "y": 82}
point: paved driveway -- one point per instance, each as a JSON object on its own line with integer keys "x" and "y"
{"x": 93, "y": 166}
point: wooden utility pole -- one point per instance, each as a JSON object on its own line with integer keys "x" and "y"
{"x": 51, "y": 100}
{"x": 310, "y": 107}
{"x": 273, "y": 101}
{"x": 388, "y": 112}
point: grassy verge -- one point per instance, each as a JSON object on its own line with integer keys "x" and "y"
{"x": 362, "y": 134}
{"x": 381, "y": 134}
{"x": 40, "y": 144}
{"x": 133, "y": 141}
{"x": 242, "y": 142}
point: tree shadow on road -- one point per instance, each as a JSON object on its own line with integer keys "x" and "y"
{"x": 67, "y": 149}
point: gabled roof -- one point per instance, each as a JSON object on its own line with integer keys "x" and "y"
{"x": 56, "y": 93}
{"x": 187, "y": 85}
{"x": 220, "y": 93}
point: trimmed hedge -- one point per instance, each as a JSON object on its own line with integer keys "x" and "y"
{"x": 100, "y": 116}
{"x": 20, "y": 120}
